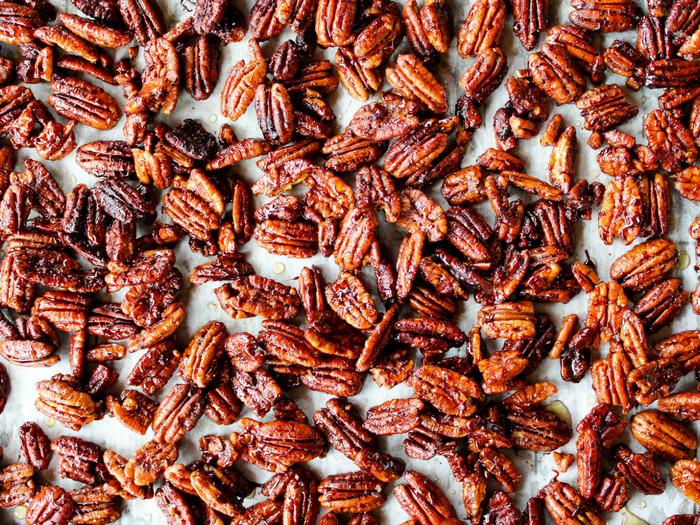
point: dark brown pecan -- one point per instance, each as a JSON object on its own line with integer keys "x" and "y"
{"x": 397, "y": 416}
{"x": 35, "y": 445}
{"x": 88, "y": 104}
{"x": 17, "y": 23}
{"x": 605, "y": 16}
{"x": 640, "y": 470}
{"x": 378, "y": 41}
{"x": 664, "y": 437}
{"x": 421, "y": 499}
{"x": 555, "y": 72}
{"x": 349, "y": 153}
{"x": 621, "y": 213}
{"x": 52, "y": 505}
{"x": 351, "y": 492}
{"x": 482, "y": 28}
{"x": 200, "y": 359}
{"x": 178, "y": 413}
{"x": 661, "y": 304}
{"x": 531, "y": 17}
{"x": 275, "y": 113}
{"x": 537, "y": 429}
{"x": 201, "y": 66}
{"x": 685, "y": 476}
{"x": 683, "y": 405}
{"x": 645, "y": 265}
{"x": 144, "y": 18}
{"x": 256, "y": 389}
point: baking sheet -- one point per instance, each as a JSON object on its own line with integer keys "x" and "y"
{"x": 202, "y": 304}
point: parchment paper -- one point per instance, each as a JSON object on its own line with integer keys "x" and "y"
{"x": 202, "y": 305}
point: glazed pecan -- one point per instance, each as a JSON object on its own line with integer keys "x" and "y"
{"x": 242, "y": 298}
{"x": 484, "y": 75}
{"x": 412, "y": 80}
{"x": 645, "y": 265}
{"x": 621, "y": 213}
{"x": 685, "y": 476}
{"x": 149, "y": 462}
{"x": 35, "y": 445}
{"x": 482, "y": 28}
{"x": 61, "y": 398}
{"x": 605, "y": 107}
{"x": 81, "y": 101}
{"x": 531, "y": 17}
{"x": 640, "y": 470}
{"x": 424, "y": 501}
{"x": 351, "y": 492}
{"x": 564, "y": 504}
{"x": 51, "y": 505}
{"x": 670, "y": 140}
{"x": 555, "y": 72}
{"x": 687, "y": 183}
{"x": 664, "y": 437}
{"x": 239, "y": 89}
{"x": 447, "y": 390}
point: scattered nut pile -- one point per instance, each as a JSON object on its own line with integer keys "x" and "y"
{"x": 66, "y": 255}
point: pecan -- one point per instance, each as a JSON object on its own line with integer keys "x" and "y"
{"x": 449, "y": 391}
{"x": 256, "y": 389}
{"x": 687, "y": 183}
{"x": 81, "y": 101}
{"x": 484, "y": 75}
{"x": 645, "y": 265}
{"x": 355, "y": 239}
{"x": 79, "y": 459}
{"x": 52, "y": 505}
{"x": 17, "y": 23}
{"x": 173, "y": 505}
{"x": 132, "y": 409}
{"x": 200, "y": 359}
{"x": 351, "y": 492}
{"x": 612, "y": 493}
{"x": 605, "y": 107}
{"x": 378, "y": 41}
{"x": 349, "y": 153}
{"x": 537, "y": 429}
{"x": 343, "y": 429}
{"x": 683, "y": 405}
{"x": 531, "y": 17}
{"x": 149, "y": 462}
{"x": 672, "y": 73}
{"x": 555, "y": 72}
{"x": 94, "y": 506}
{"x": 421, "y": 499}
{"x": 124, "y": 485}
{"x": 508, "y": 320}
{"x": 348, "y": 298}
{"x": 106, "y": 158}
{"x": 18, "y": 487}
{"x": 661, "y": 304}
{"x": 621, "y": 212}
{"x": 640, "y": 470}
{"x": 242, "y": 298}
{"x": 397, "y": 416}
{"x": 144, "y": 18}
{"x": 670, "y": 140}
{"x": 565, "y": 505}
{"x": 605, "y": 16}
{"x": 334, "y": 21}
{"x": 61, "y": 399}
{"x": 685, "y": 476}
{"x": 412, "y": 80}
{"x": 95, "y": 32}
{"x": 277, "y": 445}
{"x": 663, "y": 436}
{"x": 178, "y": 413}
{"x": 201, "y": 66}
{"x": 421, "y": 214}
{"x": 275, "y": 113}
{"x": 482, "y": 28}
{"x": 239, "y": 89}
{"x": 287, "y": 342}
{"x": 35, "y": 445}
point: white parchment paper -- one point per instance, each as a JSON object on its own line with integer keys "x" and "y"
{"x": 202, "y": 305}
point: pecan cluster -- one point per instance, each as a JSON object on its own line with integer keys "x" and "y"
{"x": 91, "y": 274}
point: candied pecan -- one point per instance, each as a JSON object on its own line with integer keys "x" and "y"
{"x": 606, "y": 16}
{"x": 355, "y": 239}
{"x": 88, "y": 104}
{"x": 683, "y": 405}
{"x": 149, "y": 462}
{"x": 378, "y": 41}
{"x": 555, "y": 72}
{"x": 664, "y": 437}
{"x": 351, "y": 492}
{"x": 242, "y": 297}
{"x": 133, "y": 409}
{"x": 79, "y": 459}
{"x": 256, "y": 389}
{"x": 334, "y": 21}
{"x": 685, "y": 476}
{"x": 484, "y": 75}
{"x": 605, "y": 107}
{"x": 201, "y": 66}
{"x": 412, "y": 80}
{"x": 61, "y": 399}
{"x": 640, "y": 470}
{"x": 687, "y": 182}
{"x": 564, "y": 504}
{"x": 670, "y": 140}
{"x": 178, "y": 413}
{"x": 482, "y": 28}
{"x": 350, "y": 300}
{"x": 531, "y": 17}
{"x": 287, "y": 342}
{"x": 18, "y": 487}
{"x": 508, "y": 320}
{"x": 501, "y": 467}
{"x": 106, "y": 158}
{"x": 397, "y": 416}
{"x": 537, "y": 429}
{"x": 645, "y": 265}
{"x": 35, "y": 445}
{"x": 421, "y": 499}
{"x": 421, "y": 214}
{"x": 242, "y": 81}
{"x": 52, "y": 505}
{"x": 347, "y": 153}
{"x": 621, "y": 212}
{"x": 672, "y": 73}
{"x": 661, "y": 304}
{"x": 449, "y": 391}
